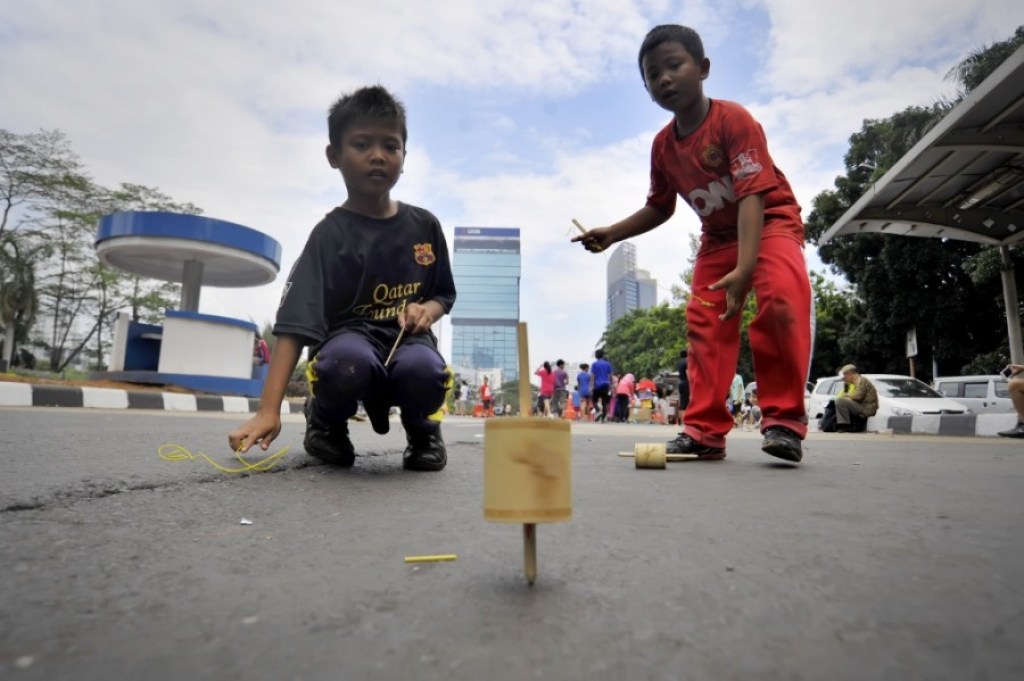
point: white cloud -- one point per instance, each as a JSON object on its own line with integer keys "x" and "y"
{"x": 817, "y": 44}
{"x": 224, "y": 105}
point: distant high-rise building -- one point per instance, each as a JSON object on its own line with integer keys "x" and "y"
{"x": 629, "y": 288}
{"x": 486, "y": 266}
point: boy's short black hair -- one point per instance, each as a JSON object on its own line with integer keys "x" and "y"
{"x": 599, "y": 353}
{"x": 366, "y": 102}
{"x": 672, "y": 33}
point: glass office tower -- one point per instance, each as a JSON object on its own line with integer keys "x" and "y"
{"x": 486, "y": 266}
{"x": 629, "y": 288}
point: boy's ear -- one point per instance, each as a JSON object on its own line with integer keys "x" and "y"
{"x": 705, "y": 68}
{"x": 330, "y": 156}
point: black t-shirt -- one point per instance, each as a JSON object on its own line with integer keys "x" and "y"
{"x": 356, "y": 272}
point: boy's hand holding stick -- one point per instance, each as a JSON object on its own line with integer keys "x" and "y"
{"x": 589, "y": 240}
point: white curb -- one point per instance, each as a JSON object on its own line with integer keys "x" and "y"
{"x": 104, "y": 398}
{"x": 235, "y": 404}
{"x": 179, "y": 402}
{"x": 989, "y": 425}
{"x": 927, "y": 424}
{"x": 15, "y": 394}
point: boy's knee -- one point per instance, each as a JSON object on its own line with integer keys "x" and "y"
{"x": 343, "y": 371}
{"x": 419, "y": 367}
{"x": 424, "y": 375}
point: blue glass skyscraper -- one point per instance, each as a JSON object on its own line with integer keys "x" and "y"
{"x": 629, "y": 288}
{"x": 486, "y": 265}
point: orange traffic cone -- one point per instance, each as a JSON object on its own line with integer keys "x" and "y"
{"x": 569, "y": 413}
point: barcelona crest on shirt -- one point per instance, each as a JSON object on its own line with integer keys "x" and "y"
{"x": 424, "y": 253}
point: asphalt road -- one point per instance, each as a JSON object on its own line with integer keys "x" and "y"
{"x": 879, "y": 558}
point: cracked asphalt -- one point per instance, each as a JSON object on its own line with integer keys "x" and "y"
{"x": 879, "y": 558}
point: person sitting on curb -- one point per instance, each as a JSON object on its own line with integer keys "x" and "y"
{"x": 1016, "y": 387}
{"x": 861, "y": 402}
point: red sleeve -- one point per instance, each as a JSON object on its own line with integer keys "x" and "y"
{"x": 661, "y": 195}
{"x": 751, "y": 167}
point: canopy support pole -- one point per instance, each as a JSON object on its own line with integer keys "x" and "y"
{"x": 191, "y": 283}
{"x": 1012, "y": 306}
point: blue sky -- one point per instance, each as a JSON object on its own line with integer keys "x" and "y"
{"x": 521, "y": 114}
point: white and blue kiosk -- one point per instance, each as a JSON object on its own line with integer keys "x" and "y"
{"x": 192, "y": 350}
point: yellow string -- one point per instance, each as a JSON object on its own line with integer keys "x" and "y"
{"x": 175, "y": 452}
{"x": 705, "y": 303}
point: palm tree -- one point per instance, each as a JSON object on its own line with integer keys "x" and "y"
{"x": 979, "y": 64}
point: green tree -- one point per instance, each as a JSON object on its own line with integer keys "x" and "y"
{"x": 32, "y": 167}
{"x": 645, "y": 342}
{"x": 50, "y": 206}
{"x": 832, "y": 308}
{"x": 941, "y": 288}
{"x": 18, "y": 300}
{"x": 508, "y": 395}
{"x": 979, "y": 64}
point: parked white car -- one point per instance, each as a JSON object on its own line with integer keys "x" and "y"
{"x": 980, "y": 394}
{"x": 897, "y": 396}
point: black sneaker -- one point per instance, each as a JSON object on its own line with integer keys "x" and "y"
{"x": 782, "y": 442}
{"x": 425, "y": 452}
{"x": 1016, "y": 431}
{"x": 684, "y": 444}
{"x": 329, "y": 444}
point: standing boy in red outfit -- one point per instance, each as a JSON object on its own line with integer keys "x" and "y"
{"x": 714, "y": 154}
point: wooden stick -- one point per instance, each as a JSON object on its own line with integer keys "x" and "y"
{"x": 583, "y": 230}
{"x": 394, "y": 347}
{"x": 525, "y": 407}
{"x": 668, "y": 457}
{"x": 431, "y": 559}
{"x": 525, "y": 397}
{"x": 530, "y": 552}
{"x": 398, "y": 341}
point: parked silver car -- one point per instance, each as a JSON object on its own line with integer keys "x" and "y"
{"x": 980, "y": 394}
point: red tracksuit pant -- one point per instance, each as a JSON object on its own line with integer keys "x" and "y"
{"x": 780, "y": 339}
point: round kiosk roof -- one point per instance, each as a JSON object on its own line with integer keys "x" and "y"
{"x": 157, "y": 245}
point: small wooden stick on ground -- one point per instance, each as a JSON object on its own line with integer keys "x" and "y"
{"x": 668, "y": 457}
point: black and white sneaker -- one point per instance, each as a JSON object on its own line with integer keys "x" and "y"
{"x": 1016, "y": 431}
{"x": 426, "y": 452}
{"x": 782, "y": 442}
{"x": 684, "y": 444}
{"x": 330, "y": 444}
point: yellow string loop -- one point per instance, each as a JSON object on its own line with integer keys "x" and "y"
{"x": 176, "y": 452}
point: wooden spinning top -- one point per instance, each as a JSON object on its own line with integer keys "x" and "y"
{"x": 653, "y": 455}
{"x": 527, "y": 468}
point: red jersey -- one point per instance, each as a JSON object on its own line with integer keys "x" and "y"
{"x": 712, "y": 168}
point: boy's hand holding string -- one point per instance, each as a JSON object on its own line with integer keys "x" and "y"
{"x": 415, "y": 318}
{"x": 418, "y": 317}
{"x": 737, "y": 283}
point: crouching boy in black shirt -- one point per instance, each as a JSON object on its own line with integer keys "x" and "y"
{"x": 370, "y": 269}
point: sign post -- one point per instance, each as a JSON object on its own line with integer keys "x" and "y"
{"x": 912, "y": 348}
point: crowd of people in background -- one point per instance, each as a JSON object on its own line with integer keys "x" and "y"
{"x": 599, "y": 393}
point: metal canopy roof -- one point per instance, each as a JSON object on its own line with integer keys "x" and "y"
{"x": 963, "y": 180}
